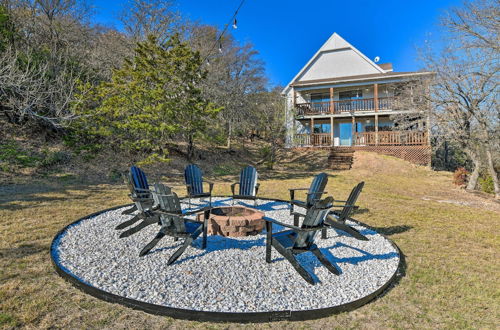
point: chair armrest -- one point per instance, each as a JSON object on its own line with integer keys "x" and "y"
{"x": 298, "y": 189}
{"x": 295, "y": 228}
{"x": 317, "y": 193}
{"x": 203, "y": 209}
{"x": 233, "y": 186}
{"x": 267, "y": 219}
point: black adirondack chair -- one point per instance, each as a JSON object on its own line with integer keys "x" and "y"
{"x": 194, "y": 184}
{"x": 301, "y": 239}
{"x": 337, "y": 218}
{"x": 248, "y": 186}
{"x": 140, "y": 195}
{"x": 174, "y": 223}
{"x": 314, "y": 192}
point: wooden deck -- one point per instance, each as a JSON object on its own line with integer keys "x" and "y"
{"x": 385, "y": 138}
{"x": 344, "y": 106}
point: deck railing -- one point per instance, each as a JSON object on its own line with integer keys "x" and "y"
{"x": 316, "y": 139}
{"x": 391, "y": 138}
{"x": 343, "y": 106}
{"x": 385, "y": 138}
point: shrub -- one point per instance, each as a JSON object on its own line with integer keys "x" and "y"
{"x": 486, "y": 184}
{"x": 460, "y": 176}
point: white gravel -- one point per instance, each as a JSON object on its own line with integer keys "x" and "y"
{"x": 231, "y": 275}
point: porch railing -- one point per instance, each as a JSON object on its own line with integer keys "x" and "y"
{"x": 385, "y": 138}
{"x": 343, "y": 106}
{"x": 391, "y": 138}
{"x": 316, "y": 139}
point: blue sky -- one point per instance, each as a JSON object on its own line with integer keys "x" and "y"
{"x": 288, "y": 32}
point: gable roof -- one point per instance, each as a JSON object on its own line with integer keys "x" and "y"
{"x": 336, "y": 58}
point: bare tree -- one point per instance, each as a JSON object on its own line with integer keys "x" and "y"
{"x": 465, "y": 92}
{"x": 234, "y": 74}
{"x": 151, "y": 17}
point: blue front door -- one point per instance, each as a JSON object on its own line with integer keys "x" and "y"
{"x": 345, "y": 134}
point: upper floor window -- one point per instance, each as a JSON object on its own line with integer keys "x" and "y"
{"x": 351, "y": 95}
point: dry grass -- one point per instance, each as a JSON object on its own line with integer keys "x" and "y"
{"x": 449, "y": 238}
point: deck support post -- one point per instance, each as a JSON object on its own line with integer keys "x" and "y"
{"x": 332, "y": 105}
{"x": 353, "y": 133}
{"x": 331, "y": 131}
{"x": 311, "y": 137}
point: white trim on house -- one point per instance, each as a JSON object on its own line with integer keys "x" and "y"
{"x": 334, "y": 44}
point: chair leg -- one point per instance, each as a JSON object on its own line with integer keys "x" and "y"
{"x": 205, "y": 229}
{"x": 296, "y": 220}
{"x": 269, "y": 239}
{"x": 152, "y": 244}
{"x": 321, "y": 257}
{"x": 146, "y": 222}
{"x": 323, "y": 233}
{"x": 181, "y": 250}
{"x": 291, "y": 258}
{"x": 130, "y": 210}
{"x": 291, "y": 208}
{"x": 189, "y": 201}
{"x": 127, "y": 223}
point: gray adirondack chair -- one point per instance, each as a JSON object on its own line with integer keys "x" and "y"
{"x": 194, "y": 184}
{"x": 248, "y": 185}
{"x": 337, "y": 218}
{"x": 141, "y": 196}
{"x": 314, "y": 192}
{"x": 174, "y": 223}
{"x": 297, "y": 240}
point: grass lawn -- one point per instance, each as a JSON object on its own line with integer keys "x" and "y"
{"x": 449, "y": 238}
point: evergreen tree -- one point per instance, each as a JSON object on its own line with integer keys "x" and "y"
{"x": 152, "y": 99}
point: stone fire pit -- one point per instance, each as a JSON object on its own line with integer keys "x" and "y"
{"x": 234, "y": 221}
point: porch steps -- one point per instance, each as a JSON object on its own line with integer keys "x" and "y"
{"x": 341, "y": 158}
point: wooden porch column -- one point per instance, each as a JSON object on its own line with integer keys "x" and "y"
{"x": 311, "y": 135}
{"x": 331, "y": 131}
{"x": 375, "y": 96}
{"x": 376, "y": 130}
{"x": 353, "y": 131}
{"x": 332, "y": 105}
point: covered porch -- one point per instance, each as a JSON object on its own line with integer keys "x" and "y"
{"x": 357, "y": 131}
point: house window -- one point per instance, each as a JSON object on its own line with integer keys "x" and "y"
{"x": 351, "y": 95}
{"x": 321, "y": 128}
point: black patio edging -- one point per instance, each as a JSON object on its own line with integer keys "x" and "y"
{"x": 203, "y": 316}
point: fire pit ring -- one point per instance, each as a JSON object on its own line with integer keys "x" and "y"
{"x": 234, "y": 221}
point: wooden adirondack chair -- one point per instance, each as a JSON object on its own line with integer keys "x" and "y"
{"x": 248, "y": 186}
{"x": 140, "y": 194}
{"x": 314, "y": 193}
{"x": 337, "y": 218}
{"x": 174, "y": 223}
{"x": 301, "y": 239}
{"x": 194, "y": 184}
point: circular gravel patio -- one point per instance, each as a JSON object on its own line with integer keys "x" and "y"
{"x": 230, "y": 280}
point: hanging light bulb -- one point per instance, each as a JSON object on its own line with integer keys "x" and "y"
{"x": 208, "y": 62}
{"x": 220, "y": 47}
{"x": 235, "y": 26}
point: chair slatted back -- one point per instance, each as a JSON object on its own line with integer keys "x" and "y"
{"x": 168, "y": 201}
{"x": 351, "y": 201}
{"x": 194, "y": 179}
{"x": 315, "y": 216}
{"x": 317, "y": 188}
{"x": 139, "y": 179}
{"x": 248, "y": 181}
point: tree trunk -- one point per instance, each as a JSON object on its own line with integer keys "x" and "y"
{"x": 229, "y": 134}
{"x": 493, "y": 173}
{"x": 471, "y": 185}
{"x": 190, "y": 148}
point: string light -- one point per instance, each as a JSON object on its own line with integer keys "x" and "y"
{"x": 218, "y": 40}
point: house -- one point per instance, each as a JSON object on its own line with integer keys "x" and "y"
{"x": 341, "y": 98}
